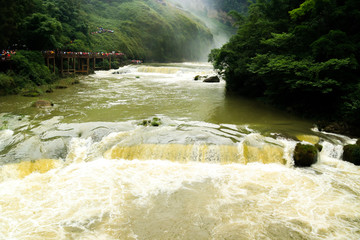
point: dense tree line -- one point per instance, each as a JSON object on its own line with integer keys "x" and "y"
{"x": 33, "y": 25}
{"x": 297, "y": 54}
{"x": 41, "y": 24}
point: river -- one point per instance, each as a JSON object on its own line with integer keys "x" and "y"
{"x": 216, "y": 167}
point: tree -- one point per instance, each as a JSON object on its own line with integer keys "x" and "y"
{"x": 42, "y": 32}
{"x": 11, "y": 15}
{"x": 299, "y": 54}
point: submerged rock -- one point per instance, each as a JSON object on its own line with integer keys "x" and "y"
{"x": 352, "y": 153}
{"x": 43, "y": 104}
{"x": 213, "y": 79}
{"x": 305, "y": 155}
{"x": 308, "y": 138}
{"x": 61, "y": 87}
{"x": 198, "y": 77}
{"x": 155, "y": 122}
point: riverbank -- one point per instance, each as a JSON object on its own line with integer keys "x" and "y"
{"x": 37, "y": 72}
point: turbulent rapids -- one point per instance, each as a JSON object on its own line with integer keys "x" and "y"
{"x": 215, "y": 168}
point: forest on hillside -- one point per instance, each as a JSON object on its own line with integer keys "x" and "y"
{"x": 141, "y": 29}
{"x": 300, "y": 55}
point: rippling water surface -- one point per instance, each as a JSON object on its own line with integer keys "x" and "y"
{"x": 217, "y": 167}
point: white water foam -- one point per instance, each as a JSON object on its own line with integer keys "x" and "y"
{"x": 119, "y": 199}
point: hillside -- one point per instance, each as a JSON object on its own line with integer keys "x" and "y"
{"x": 152, "y": 30}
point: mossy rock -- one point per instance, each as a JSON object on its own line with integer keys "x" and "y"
{"x": 213, "y": 79}
{"x": 155, "y": 122}
{"x": 358, "y": 142}
{"x": 305, "y": 155}
{"x": 42, "y": 104}
{"x": 145, "y": 122}
{"x": 352, "y": 153}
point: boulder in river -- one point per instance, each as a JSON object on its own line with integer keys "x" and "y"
{"x": 61, "y": 87}
{"x": 305, "y": 155}
{"x": 43, "y": 104}
{"x": 308, "y": 138}
{"x": 352, "y": 153}
{"x": 199, "y": 77}
{"x": 212, "y": 79}
{"x": 155, "y": 122}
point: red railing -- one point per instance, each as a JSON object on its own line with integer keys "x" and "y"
{"x": 81, "y": 54}
{"x": 5, "y": 55}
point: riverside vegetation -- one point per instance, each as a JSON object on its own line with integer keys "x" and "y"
{"x": 300, "y": 55}
{"x": 149, "y": 30}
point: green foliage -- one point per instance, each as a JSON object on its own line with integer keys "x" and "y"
{"x": 30, "y": 64}
{"x": 155, "y": 122}
{"x": 41, "y": 31}
{"x": 29, "y": 71}
{"x": 78, "y": 46}
{"x": 6, "y": 82}
{"x": 12, "y": 14}
{"x": 302, "y": 55}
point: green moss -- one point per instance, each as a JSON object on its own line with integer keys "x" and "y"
{"x": 305, "y": 155}
{"x": 32, "y": 93}
{"x": 4, "y": 125}
{"x": 155, "y": 122}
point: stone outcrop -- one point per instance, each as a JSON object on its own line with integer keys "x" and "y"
{"x": 352, "y": 153}
{"x": 199, "y": 77}
{"x": 213, "y": 79}
{"x": 43, "y": 104}
{"x": 305, "y": 155}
